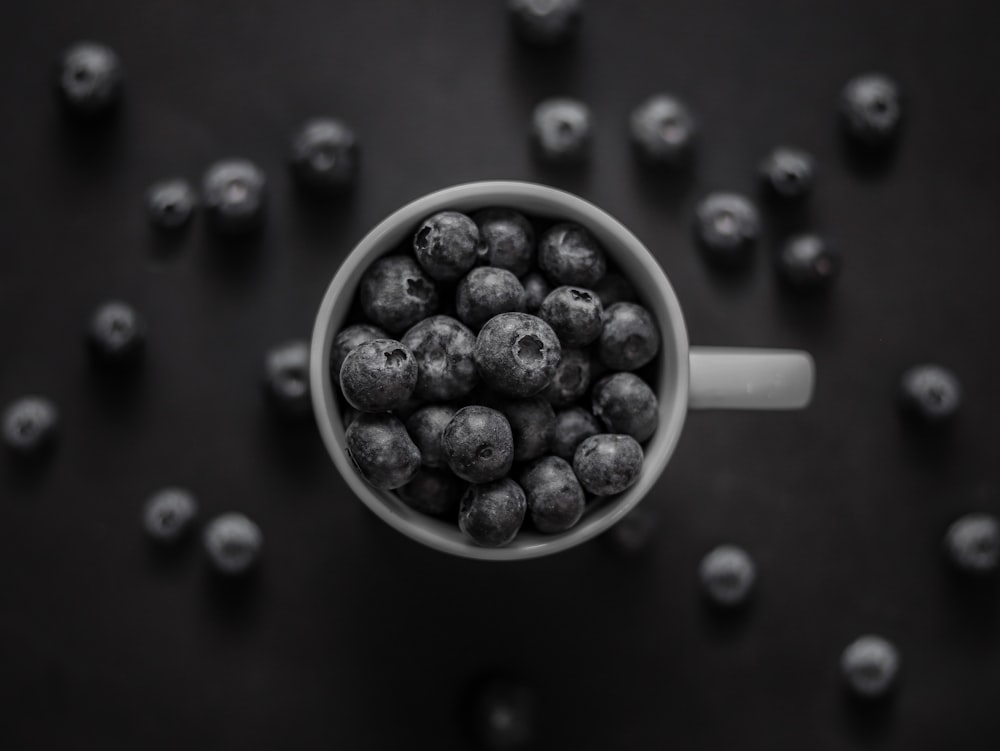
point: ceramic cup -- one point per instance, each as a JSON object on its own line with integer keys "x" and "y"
{"x": 688, "y": 377}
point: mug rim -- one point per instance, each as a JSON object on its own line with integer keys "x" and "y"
{"x": 673, "y": 372}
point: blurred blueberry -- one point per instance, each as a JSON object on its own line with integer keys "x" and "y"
{"x": 560, "y": 131}
{"x": 870, "y": 665}
{"x": 170, "y": 204}
{"x": 545, "y": 22}
{"x": 286, "y": 378}
{"x": 727, "y": 575}
{"x": 234, "y": 192}
{"x": 324, "y": 155}
{"x": 502, "y": 714}
{"x": 871, "y": 109}
{"x": 233, "y": 543}
{"x": 29, "y": 425}
{"x": 808, "y": 262}
{"x": 89, "y": 80}
{"x": 787, "y": 174}
{"x": 727, "y": 226}
{"x": 116, "y": 334}
{"x": 663, "y": 130}
{"x": 169, "y": 514}
{"x": 972, "y": 543}
{"x": 930, "y": 393}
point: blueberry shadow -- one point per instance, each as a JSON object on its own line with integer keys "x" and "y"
{"x": 293, "y": 441}
{"x": 90, "y": 142}
{"x": 499, "y": 709}
{"x": 116, "y": 386}
{"x": 926, "y": 443}
{"x": 573, "y": 177}
{"x": 810, "y": 310}
{"x": 233, "y": 600}
{"x": 27, "y": 471}
{"x": 974, "y": 600}
{"x": 867, "y": 719}
{"x": 233, "y": 256}
{"x": 726, "y": 622}
{"x": 664, "y": 186}
{"x": 165, "y": 243}
{"x": 866, "y": 162}
{"x": 321, "y": 213}
{"x": 541, "y": 70}
{"x": 169, "y": 558}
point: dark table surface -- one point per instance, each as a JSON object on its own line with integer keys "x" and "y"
{"x": 351, "y": 635}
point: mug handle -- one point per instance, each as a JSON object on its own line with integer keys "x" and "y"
{"x": 750, "y": 378}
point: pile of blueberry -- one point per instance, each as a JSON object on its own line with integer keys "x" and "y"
{"x": 494, "y": 378}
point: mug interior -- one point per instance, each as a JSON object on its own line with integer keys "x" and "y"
{"x": 635, "y": 262}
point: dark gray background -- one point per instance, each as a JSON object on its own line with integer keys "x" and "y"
{"x": 352, "y": 636}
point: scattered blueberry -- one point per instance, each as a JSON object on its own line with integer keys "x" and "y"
{"x": 433, "y": 491}
{"x": 425, "y": 427}
{"x": 727, "y": 226}
{"x": 869, "y": 665}
{"x": 478, "y": 444}
{"x": 378, "y": 375}
{"x": 568, "y": 254}
{"x": 536, "y": 289}
{"x": 560, "y": 130}
{"x": 571, "y": 378}
{"x": 90, "y": 79}
{"x": 169, "y": 514}
{"x": 517, "y": 354}
{"x": 555, "y": 498}
{"x": 634, "y": 533}
{"x": 116, "y": 334}
{"x": 614, "y": 288}
{"x": 727, "y": 575}
{"x": 508, "y": 240}
{"x": 663, "y": 130}
{"x": 871, "y": 109}
{"x": 347, "y": 339}
{"x": 573, "y": 426}
{"x": 972, "y": 542}
{"x": 324, "y": 155}
{"x": 382, "y": 450}
{"x": 575, "y": 314}
{"x": 29, "y": 425}
{"x": 234, "y": 193}
{"x": 630, "y": 337}
{"x": 787, "y": 173}
{"x": 396, "y": 293}
{"x": 502, "y": 715}
{"x": 545, "y": 21}
{"x": 447, "y": 245}
{"x": 491, "y": 513}
{"x": 607, "y": 463}
{"x": 286, "y": 378}
{"x": 808, "y": 262}
{"x": 532, "y": 423}
{"x": 930, "y": 393}
{"x": 443, "y": 349}
{"x": 485, "y": 292}
{"x": 233, "y": 543}
{"x": 170, "y": 204}
{"x": 626, "y": 404}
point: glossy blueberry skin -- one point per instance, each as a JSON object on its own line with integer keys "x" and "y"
{"x": 425, "y": 427}
{"x": 545, "y": 22}
{"x": 378, "y": 376}
{"x": 870, "y": 665}
{"x": 492, "y": 513}
{"x": 443, "y": 349}
{"x": 382, "y": 450}
{"x": 972, "y": 543}
{"x": 517, "y": 354}
{"x": 614, "y": 288}
{"x": 347, "y": 339}
{"x": 727, "y": 575}
{"x": 570, "y": 255}
{"x": 170, "y": 204}
{"x": 571, "y": 379}
{"x": 501, "y": 713}
{"x": 727, "y": 226}
{"x": 808, "y": 262}
{"x": 507, "y": 239}
{"x": 116, "y": 334}
{"x": 536, "y": 289}
{"x": 234, "y": 192}
{"x": 607, "y": 463}
{"x": 29, "y": 425}
{"x": 447, "y": 245}
{"x": 89, "y": 80}
{"x": 630, "y": 337}
{"x": 663, "y": 131}
{"x": 532, "y": 423}
{"x": 324, "y": 155}
{"x": 871, "y": 109}
{"x": 233, "y": 543}
{"x": 286, "y": 378}
{"x": 433, "y": 491}
{"x": 930, "y": 393}
{"x": 573, "y": 426}
{"x": 625, "y": 403}
{"x": 575, "y": 314}
{"x": 396, "y": 293}
{"x": 555, "y": 498}
{"x": 561, "y": 131}
{"x": 169, "y": 514}
{"x": 485, "y": 292}
{"x": 787, "y": 174}
{"x": 478, "y": 444}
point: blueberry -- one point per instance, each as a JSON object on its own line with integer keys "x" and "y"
{"x": 433, "y": 491}
{"x": 663, "y": 130}
{"x": 560, "y": 131}
{"x": 116, "y": 334}
{"x": 575, "y": 314}
{"x": 29, "y": 425}
{"x": 787, "y": 174}
{"x": 502, "y": 714}
{"x": 634, "y": 533}
{"x": 607, "y": 463}
{"x": 170, "y": 204}
{"x": 614, "y": 288}
{"x": 808, "y": 262}
{"x": 727, "y": 226}
{"x": 350, "y": 415}
{"x": 378, "y": 375}
{"x": 532, "y": 422}
{"x": 491, "y": 513}
{"x": 555, "y": 498}
{"x": 169, "y": 514}
{"x": 545, "y": 21}
{"x": 536, "y": 289}
{"x": 630, "y": 337}
{"x": 571, "y": 379}
{"x": 727, "y": 575}
{"x": 234, "y": 193}
{"x": 396, "y": 293}
{"x": 569, "y": 254}
{"x": 508, "y": 240}
{"x": 443, "y": 349}
{"x": 347, "y": 339}
{"x": 286, "y": 378}
{"x": 871, "y": 109}
{"x": 382, "y": 450}
{"x": 478, "y": 444}
{"x": 870, "y": 664}
{"x": 447, "y": 245}
{"x": 972, "y": 542}
{"x": 485, "y": 292}
{"x": 517, "y": 354}
{"x": 90, "y": 79}
{"x": 233, "y": 543}
{"x": 573, "y": 425}
{"x": 324, "y": 155}
{"x": 930, "y": 393}
{"x": 425, "y": 426}
{"x": 626, "y": 404}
